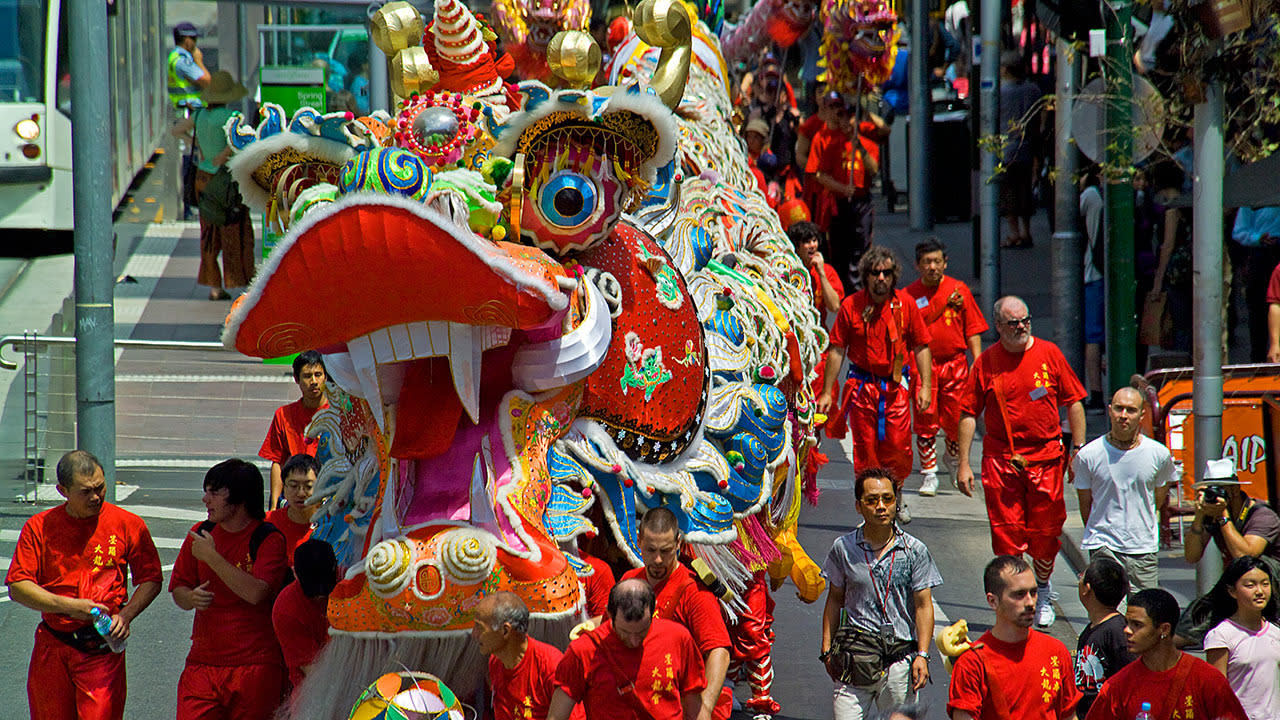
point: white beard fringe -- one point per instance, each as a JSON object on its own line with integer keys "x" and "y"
{"x": 348, "y": 664}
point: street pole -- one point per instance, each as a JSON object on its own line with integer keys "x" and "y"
{"x": 1122, "y": 324}
{"x": 989, "y": 120}
{"x": 94, "y": 283}
{"x": 379, "y": 89}
{"x": 919, "y": 191}
{"x": 1206, "y": 249}
{"x": 1068, "y": 284}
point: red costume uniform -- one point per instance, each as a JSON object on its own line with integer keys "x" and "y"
{"x": 879, "y": 341}
{"x": 615, "y": 682}
{"x": 234, "y": 669}
{"x": 80, "y": 558}
{"x": 294, "y": 533}
{"x": 752, "y": 647}
{"x": 1028, "y": 681}
{"x": 301, "y": 629}
{"x": 524, "y": 691}
{"x": 952, "y": 317}
{"x": 599, "y": 584}
{"x": 284, "y": 437}
{"x": 831, "y": 152}
{"x": 683, "y": 599}
{"x": 1191, "y": 690}
{"x": 1020, "y": 394}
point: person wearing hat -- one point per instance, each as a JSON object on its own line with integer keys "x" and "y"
{"x": 756, "y": 134}
{"x": 187, "y": 73}
{"x": 1239, "y": 524}
{"x": 230, "y": 235}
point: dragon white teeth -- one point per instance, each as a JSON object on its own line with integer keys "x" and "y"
{"x": 365, "y": 366}
{"x": 465, "y": 346}
{"x": 482, "y": 489}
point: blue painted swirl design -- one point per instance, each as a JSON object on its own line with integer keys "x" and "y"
{"x": 389, "y": 170}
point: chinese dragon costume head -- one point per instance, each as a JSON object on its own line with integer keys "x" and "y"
{"x": 859, "y": 44}
{"x": 543, "y": 312}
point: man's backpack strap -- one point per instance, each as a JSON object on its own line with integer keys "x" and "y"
{"x": 260, "y": 534}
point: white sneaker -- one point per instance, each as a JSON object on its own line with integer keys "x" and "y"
{"x": 929, "y": 487}
{"x": 1045, "y": 614}
{"x": 904, "y": 515}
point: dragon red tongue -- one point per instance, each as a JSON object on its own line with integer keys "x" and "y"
{"x": 429, "y": 429}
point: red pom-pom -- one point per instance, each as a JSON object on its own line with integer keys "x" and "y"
{"x": 627, "y": 482}
{"x": 723, "y": 484}
{"x": 615, "y": 469}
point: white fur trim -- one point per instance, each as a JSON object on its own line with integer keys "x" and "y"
{"x": 244, "y": 162}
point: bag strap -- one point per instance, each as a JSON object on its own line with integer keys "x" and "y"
{"x": 1000, "y": 704}
{"x": 997, "y": 386}
{"x": 1179, "y": 681}
{"x": 628, "y": 691}
{"x": 195, "y": 135}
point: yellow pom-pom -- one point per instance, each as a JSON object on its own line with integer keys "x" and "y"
{"x": 499, "y": 233}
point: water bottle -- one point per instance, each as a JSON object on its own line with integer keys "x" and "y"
{"x": 102, "y": 623}
{"x": 1144, "y": 713}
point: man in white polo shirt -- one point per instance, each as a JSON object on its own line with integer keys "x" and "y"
{"x": 1121, "y": 479}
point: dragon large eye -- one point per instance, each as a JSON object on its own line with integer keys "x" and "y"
{"x": 568, "y": 199}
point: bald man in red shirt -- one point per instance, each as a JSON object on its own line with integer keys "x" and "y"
{"x": 683, "y": 599}
{"x": 1020, "y": 383}
{"x": 880, "y": 329}
{"x": 71, "y": 560}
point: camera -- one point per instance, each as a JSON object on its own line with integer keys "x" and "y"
{"x": 1214, "y": 493}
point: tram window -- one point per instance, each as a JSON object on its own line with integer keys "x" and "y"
{"x": 22, "y": 34}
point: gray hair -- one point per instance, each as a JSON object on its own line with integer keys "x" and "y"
{"x": 997, "y": 310}
{"x": 509, "y": 608}
{"x": 74, "y": 464}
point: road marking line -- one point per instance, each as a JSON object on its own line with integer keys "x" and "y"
{"x": 283, "y": 378}
{"x": 178, "y": 464}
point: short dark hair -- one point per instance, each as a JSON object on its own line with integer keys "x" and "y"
{"x": 930, "y": 244}
{"x": 877, "y": 472}
{"x": 1108, "y": 581}
{"x": 993, "y": 577}
{"x": 511, "y": 609}
{"x": 1161, "y": 606}
{"x": 243, "y": 482}
{"x": 316, "y": 568}
{"x": 305, "y": 358}
{"x": 300, "y": 463}
{"x": 875, "y": 255}
{"x": 75, "y": 464}
{"x": 803, "y": 231}
{"x": 659, "y": 520}
{"x": 634, "y": 599}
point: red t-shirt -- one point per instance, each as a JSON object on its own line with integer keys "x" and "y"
{"x": 301, "y": 629}
{"x": 834, "y": 278}
{"x": 811, "y": 126}
{"x": 951, "y": 328}
{"x": 831, "y": 152}
{"x": 284, "y": 437}
{"x": 294, "y": 533}
{"x": 1036, "y": 383}
{"x": 868, "y": 342}
{"x": 599, "y": 585}
{"x": 231, "y": 631}
{"x": 665, "y": 668}
{"x": 1035, "y": 677}
{"x": 681, "y": 598}
{"x": 1204, "y": 695}
{"x": 524, "y": 692}
{"x": 85, "y": 557}
{"x": 1273, "y": 286}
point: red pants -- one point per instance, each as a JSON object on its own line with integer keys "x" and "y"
{"x": 879, "y": 413}
{"x": 752, "y": 639}
{"x": 1026, "y": 509}
{"x": 242, "y": 692}
{"x": 63, "y": 682}
{"x": 949, "y": 378}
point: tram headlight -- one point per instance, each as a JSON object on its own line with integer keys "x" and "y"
{"x": 27, "y": 129}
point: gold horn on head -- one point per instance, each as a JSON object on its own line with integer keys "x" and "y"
{"x": 667, "y": 24}
{"x": 574, "y": 57}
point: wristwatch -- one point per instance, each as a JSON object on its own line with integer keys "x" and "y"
{"x": 923, "y": 654}
{"x": 822, "y": 656}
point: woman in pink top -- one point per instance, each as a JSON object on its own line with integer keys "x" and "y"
{"x": 1245, "y": 643}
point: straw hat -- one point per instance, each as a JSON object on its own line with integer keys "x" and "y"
{"x": 1220, "y": 472}
{"x": 222, "y": 89}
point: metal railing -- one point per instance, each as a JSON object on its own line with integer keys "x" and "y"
{"x": 49, "y": 401}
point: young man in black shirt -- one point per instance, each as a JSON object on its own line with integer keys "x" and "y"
{"x": 1101, "y": 650}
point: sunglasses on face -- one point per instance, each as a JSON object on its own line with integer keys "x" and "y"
{"x": 1018, "y": 322}
{"x": 883, "y": 272}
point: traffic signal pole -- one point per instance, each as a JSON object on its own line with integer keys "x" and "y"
{"x": 1068, "y": 282}
{"x": 94, "y": 241}
{"x": 919, "y": 189}
{"x": 1122, "y": 325}
{"x": 989, "y": 121}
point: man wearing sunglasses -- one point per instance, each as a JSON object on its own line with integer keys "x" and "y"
{"x": 1020, "y": 383}
{"x": 881, "y": 330}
